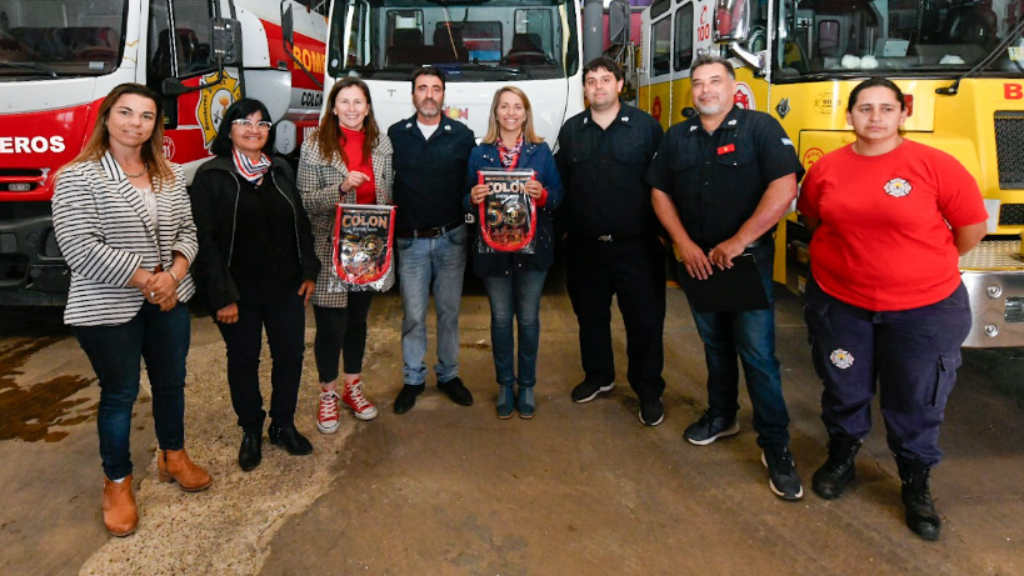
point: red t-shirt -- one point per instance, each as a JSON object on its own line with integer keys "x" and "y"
{"x": 353, "y": 146}
{"x": 883, "y": 243}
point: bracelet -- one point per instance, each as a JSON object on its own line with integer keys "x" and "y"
{"x": 175, "y": 276}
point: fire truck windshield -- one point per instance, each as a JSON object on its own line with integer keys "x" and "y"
{"x": 60, "y": 38}
{"x": 472, "y": 40}
{"x": 836, "y": 38}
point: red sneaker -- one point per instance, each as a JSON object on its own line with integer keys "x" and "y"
{"x": 327, "y": 418}
{"x": 356, "y": 400}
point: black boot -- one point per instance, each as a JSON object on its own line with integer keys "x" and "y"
{"x": 839, "y": 470}
{"x": 289, "y": 438}
{"x": 250, "y": 453}
{"x": 922, "y": 517}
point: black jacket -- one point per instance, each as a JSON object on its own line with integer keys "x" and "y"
{"x": 214, "y": 195}
{"x": 429, "y": 174}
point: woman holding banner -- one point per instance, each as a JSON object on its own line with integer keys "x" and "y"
{"x": 347, "y": 161}
{"x": 515, "y": 264}
{"x": 257, "y": 270}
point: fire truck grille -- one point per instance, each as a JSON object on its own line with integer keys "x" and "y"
{"x": 1010, "y": 152}
{"x": 20, "y": 179}
{"x": 1011, "y": 215}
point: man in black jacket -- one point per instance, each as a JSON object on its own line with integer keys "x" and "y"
{"x": 431, "y": 152}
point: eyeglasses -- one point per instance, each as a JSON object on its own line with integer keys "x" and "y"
{"x": 262, "y": 125}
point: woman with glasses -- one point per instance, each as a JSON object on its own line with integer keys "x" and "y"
{"x": 256, "y": 270}
{"x": 348, "y": 160}
{"x": 122, "y": 220}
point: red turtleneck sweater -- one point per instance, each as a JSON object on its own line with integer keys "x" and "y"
{"x": 353, "y": 146}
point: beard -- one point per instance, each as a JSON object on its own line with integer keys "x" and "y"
{"x": 423, "y": 109}
{"x": 709, "y": 109}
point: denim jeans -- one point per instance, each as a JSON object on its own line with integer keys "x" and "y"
{"x": 751, "y": 335}
{"x": 515, "y": 295}
{"x": 909, "y": 356}
{"x": 424, "y": 264}
{"x": 116, "y": 352}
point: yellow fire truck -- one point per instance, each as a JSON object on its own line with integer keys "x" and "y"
{"x": 960, "y": 63}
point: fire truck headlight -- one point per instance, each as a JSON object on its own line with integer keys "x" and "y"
{"x": 285, "y": 140}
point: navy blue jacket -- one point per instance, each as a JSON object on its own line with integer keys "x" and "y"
{"x": 539, "y": 158}
{"x": 429, "y": 174}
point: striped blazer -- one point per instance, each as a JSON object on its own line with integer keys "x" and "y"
{"x": 105, "y": 233}
{"x": 319, "y": 182}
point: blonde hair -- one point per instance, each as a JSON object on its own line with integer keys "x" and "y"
{"x": 493, "y": 132}
{"x": 152, "y": 151}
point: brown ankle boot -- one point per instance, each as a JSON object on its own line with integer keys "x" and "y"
{"x": 119, "y": 513}
{"x": 175, "y": 466}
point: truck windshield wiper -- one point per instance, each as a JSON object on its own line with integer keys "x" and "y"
{"x": 1013, "y": 35}
{"x": 494, "y": 68}
{"x": 33, "y": 65}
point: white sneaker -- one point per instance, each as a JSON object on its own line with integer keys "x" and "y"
{"x": 327, "y": 418}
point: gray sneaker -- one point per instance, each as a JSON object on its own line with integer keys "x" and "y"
{"x": 711, "y": 427}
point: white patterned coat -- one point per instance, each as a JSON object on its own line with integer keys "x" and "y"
{"x": 319, "y": 182}
{"x": 105, "y": 233}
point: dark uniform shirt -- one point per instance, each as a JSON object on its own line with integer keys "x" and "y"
{"x": 602, "y": 173}
{"x": 429, "y": 174}
{"x": 717, "y": 180}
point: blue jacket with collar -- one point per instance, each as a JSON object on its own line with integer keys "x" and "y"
{"x": 427, "y": 189}
{"x": 533, "y": 156}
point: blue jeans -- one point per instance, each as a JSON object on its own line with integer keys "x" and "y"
{"x": 515, "y": 295}
{"x": 751, "y": 335}
{"x": 116, "y": 352}
{"x": 425, "y": 263}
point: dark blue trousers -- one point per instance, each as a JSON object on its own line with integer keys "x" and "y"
{"x": 912, "y": 355}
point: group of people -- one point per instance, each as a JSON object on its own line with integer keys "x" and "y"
{"x": 257, "y": 239}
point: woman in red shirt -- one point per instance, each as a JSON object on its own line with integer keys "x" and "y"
{"x": 890, "y": 219}
{"x": 348, "y": 160}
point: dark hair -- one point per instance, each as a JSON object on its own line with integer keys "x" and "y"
{"x": 329, "y": 136}
{"x": 602, "y": 63}
{"x": 708, "y": 59}
{"x": 877, "y": 82}
{"x": 152, "y": 151}
{"x": 426, "y": 71}
{"x": 241, "y": 109}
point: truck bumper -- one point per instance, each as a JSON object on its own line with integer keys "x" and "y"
{"x": 32, "y": 270}
{"x": 997, "y": 308}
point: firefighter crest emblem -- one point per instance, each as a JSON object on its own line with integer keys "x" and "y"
{"x": 841, "y": 358}
{"x": 214, "y": 100}
{"x": 898, "y": 188}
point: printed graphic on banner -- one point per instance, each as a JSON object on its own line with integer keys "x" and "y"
{"x": 508, "y": 217}
{"x": 362, "y": 247}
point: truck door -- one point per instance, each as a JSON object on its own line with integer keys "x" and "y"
{"x": 179, "y": 40}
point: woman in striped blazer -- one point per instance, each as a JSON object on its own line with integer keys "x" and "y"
{"x": 124, "y": 224}
{"x": 349, "y": 160}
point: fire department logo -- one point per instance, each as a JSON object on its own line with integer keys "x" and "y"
{"x": 456, "y": 113}
{"x": 898, "y": 188}
{"x": 214, "y": 100}
{"x": 841, "y": 358}
{"x": 744, "y": 97}
{"x": 811, "y": 156}
{"x": 168, "y": 148}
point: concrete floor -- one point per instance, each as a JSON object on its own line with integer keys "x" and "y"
{"x": 444, "y": 489}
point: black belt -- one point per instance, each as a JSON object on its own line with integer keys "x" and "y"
{"x": 429, "y": 232}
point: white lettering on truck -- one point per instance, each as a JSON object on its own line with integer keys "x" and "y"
{"x": 26, "y": 145}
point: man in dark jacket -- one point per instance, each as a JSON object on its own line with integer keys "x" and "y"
{"x": 430, "y": 158}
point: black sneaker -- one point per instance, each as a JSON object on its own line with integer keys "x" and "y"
{"x": 782, "y": 477}
{"x": 457, "y": 391}
{"x": 652, "y": 412}
{"x": 587, "y": 390}
{"x": 406, "y": 398}
{"x": 711, "y": 427}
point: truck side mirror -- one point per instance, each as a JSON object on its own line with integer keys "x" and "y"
{"x": 732, "y": 21}
{"x": 287, "y": 25}
{"x": 618, "y": 22}
{"x": 226, "y": 42}
{"x": 171, "y": 86}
